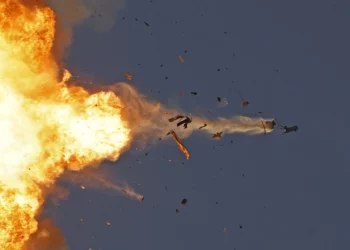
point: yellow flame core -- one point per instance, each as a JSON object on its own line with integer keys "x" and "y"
{"x": 45, "y": 126}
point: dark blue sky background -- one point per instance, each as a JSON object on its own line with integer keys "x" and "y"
{"x": 294, "y": 192}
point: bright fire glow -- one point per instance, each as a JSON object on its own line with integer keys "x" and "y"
{"x": 45, "y": 126}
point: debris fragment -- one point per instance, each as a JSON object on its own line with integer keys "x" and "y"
{"x": 194, "y": 93}
{"x": 108, "y": 224}
{"x": 240, "y": 226}
{"x": 184, "y": 202}
{"x": 218, "y": 135}
{"x": 177, "y": 211}
{"x": 142, "y": 198}
{"x": 245, "y": 104}
{"x": 181, "y": 59}
{"x": 146, "y": 23}
{"x": 180, "y": 144}
{"x": 203, "y": 126}
{"x": 128, "y": 76}
{"x": 225, "y": 229}
{"x": 175, "y": 118}
{"x": 184, "y": 122}
{"x": 287, "y": 129}
{"x": 222, "y": 102}
{"x": 82, "y": 187}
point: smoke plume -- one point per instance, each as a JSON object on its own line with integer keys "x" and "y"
{"x": 47, "y": 237}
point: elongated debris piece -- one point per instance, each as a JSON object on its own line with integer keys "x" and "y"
{"x": 180, "y": 144}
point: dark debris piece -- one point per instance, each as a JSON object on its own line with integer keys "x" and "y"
{"x": 240, "y": 226}
{"x": 184, "y": 202}
{"x": 203, "y": 126}
{"x": 194, "y": 93}
{"x": 218, "y": 98}
{"x": 177, "y": 211}
{"x": 146, "y": 24}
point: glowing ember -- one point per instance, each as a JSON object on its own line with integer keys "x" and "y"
{"x": 45, "y": 126}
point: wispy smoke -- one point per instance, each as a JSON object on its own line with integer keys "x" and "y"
{"x": 89, "y": 178}
{"x": 101, "y": 14}
{"x": 47, "y": 237}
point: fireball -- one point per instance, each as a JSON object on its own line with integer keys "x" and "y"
{"x": 46, "y": 127}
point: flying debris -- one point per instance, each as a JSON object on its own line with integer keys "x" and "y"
{"x": 245, "y": 104}
{"x": 108, "y": 224}
{"x": 142, "y": 198}
{"x": 290, "y": 129}
{"x": 222, "y": 101}
{"x": 217, "y": 136}
{"x": 203, "y": 126}
{"x": 184, "y": 122}
{"x": 177, "y": 211}
{"x": 184, "y": 202}
{"x": 180, "y": 144}
{"x": 128, "y": 76}
{"x": 175, "y": 118}
{"x": 146, "y": 23}
{"x": 194, "y": 93}
{"x": 181, "y": 59}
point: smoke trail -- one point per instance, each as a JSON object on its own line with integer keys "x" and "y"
{"x": 91, "y": 179}
{"x": 149, "y": 120}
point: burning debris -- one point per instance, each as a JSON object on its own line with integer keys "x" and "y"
{"x": 217, "y": 136}
{"x": 181, "y": 59}
{"x": 128, "y": 76}
{"x": 180, "y": 144}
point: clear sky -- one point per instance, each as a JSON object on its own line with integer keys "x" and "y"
{"x": 290, "y": 60}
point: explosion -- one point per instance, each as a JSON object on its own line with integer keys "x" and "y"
{"x": 45, "y": 126}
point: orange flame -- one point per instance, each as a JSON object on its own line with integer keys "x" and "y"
{"x": 45, "y": 126}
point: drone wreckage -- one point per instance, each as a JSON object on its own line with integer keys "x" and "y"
{"x": 185, "y": 120}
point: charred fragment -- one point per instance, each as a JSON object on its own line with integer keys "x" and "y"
{"x": 184, "y": 202}
{"x": 203, "y": 126}
{"x": 184, "y": 122}
{"x": 290, "y": 129}
{"x": 176, "y": 118}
